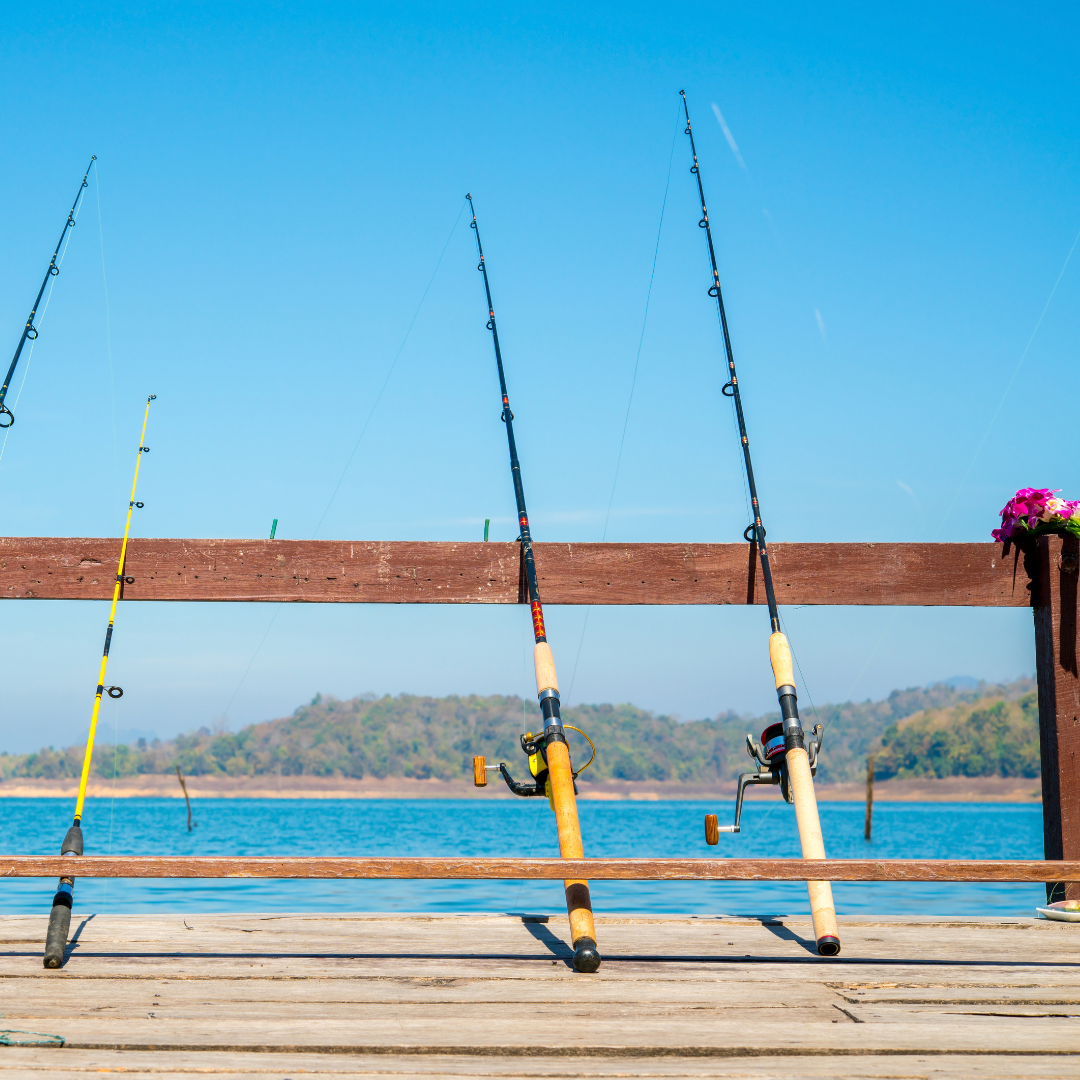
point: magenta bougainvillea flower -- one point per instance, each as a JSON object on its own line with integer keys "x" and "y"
{"x": 1033, "y": 511}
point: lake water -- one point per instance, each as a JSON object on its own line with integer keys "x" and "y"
{"x": 516, "y": 827}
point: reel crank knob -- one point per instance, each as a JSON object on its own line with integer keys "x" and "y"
{"x": 479, "y": 772}
{"x": 712, "y": 829}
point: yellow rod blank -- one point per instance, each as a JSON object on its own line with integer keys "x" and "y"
{"x": 88, "y": 756}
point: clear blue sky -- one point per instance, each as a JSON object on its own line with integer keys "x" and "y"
{"x": 276, "y": 184}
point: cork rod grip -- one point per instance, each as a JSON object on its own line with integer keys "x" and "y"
{"x": 578, "y": 903}
{"x": 545, "y": 667}
{"x": 822, "y": 908}
{"x": 780, "y": 657}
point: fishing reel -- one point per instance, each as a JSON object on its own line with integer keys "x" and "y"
{"x": 771, "y": 757}
{"x": 535, "y": 749}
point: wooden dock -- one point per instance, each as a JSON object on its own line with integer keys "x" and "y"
{"x": 437, "y": 996}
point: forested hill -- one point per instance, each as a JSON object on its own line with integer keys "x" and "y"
{"x": 938, "y": 730}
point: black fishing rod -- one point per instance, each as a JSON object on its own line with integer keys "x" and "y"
{"x": 549, "y": 754}
{"x": 783, "y": 755}
{"x": 7, "y": 417}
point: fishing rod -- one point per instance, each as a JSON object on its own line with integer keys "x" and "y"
{"x": 7, "y": 417}
{"x": 60, "y": 917}
{"x": 548, "y": 753}
{"x": 784, "y": 755}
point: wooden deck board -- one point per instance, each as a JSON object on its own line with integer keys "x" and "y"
{"x": 270, "y": 995}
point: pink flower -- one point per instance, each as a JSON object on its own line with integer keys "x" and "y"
{"x": 1030, "y": 507}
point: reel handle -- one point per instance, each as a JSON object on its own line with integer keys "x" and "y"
{"x": 479, "y": 772}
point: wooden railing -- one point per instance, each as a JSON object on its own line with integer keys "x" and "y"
{"x": 276, "y": 866}
{"x": 375, "y": 572}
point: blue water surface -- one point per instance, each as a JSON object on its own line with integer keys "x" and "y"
{"x": 516, "y": 827}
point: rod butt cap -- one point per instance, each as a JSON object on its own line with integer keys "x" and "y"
{"x": 828, "y": 945}
{"x": 586, "y": 956}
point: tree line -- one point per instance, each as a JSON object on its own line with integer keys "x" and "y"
{"x": 942, "y": 730}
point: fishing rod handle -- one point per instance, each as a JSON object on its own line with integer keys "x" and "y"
{"x": 780, "y": 657}
{"x": 578, "y": 900}
{"x": 802, "y": 789}
{"x": 544, "y": 662}
{"x": 784, "y": 674}
{"x": 60, "y": 916}
{"x": 822, "y": 908}
{"x": 564, "y": 803}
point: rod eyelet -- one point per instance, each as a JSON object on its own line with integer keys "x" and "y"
{"x": 140, "y": 505}
{"x": 7, "y": 417}
{"x": 115, "y": 691}
{"x": 728, "y": 389}
{"x": 748, "y": 534}
{"x": 54, "y": 270}
{"x": 129, "y": 581}
{"x": 31, "y": 332}
{"x": 714, "y": 292}
{"x": 703, "y": 223}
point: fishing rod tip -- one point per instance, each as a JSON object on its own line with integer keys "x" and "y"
{"x": 468, "y": 195}
{"x": 682, "y": 93}
{"x": 152, "y": 397}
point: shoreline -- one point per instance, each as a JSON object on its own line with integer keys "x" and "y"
{"x": 951, "y": 789}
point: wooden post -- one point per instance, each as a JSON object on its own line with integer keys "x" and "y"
{"x": 1059, "y": 702}
{"x": 869, "y": 793}
{"x": 183, "y": 786}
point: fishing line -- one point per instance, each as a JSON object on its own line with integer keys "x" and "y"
{"x": 792, "y": 264}
{"x": 537, "y": 814}
{"x": 112, "y": 800}
{"x": 1008, "y": 388}
{"x": 108, "y": 318}
{"x": 386, "y": 381}
{"x": 363, "y": 432}
{"x": 633, "y": 385}
{"x": 885, "y": 630}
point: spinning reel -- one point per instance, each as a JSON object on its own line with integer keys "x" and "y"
{"x": 771, "y": 758}
{"x": 535, "y": 749}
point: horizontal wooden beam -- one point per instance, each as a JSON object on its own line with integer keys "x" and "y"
{"x": 215, "y": 866}
{"x": 407, "y": 572}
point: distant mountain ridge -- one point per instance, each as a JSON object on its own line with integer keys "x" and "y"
{"x": 940, "y": 730}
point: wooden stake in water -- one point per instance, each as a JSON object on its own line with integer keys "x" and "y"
{"x": 869, "y": 793}
{"x": 183, "y": 787}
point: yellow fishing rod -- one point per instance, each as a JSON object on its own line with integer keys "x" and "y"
{"x": 60, "y": 918}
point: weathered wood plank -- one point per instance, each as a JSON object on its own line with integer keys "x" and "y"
{"x": 1059, "y": 703}
{"x": 843, "y": 1065}
{"x": 222, "y": 866}
{"x": 332, "y": 571}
